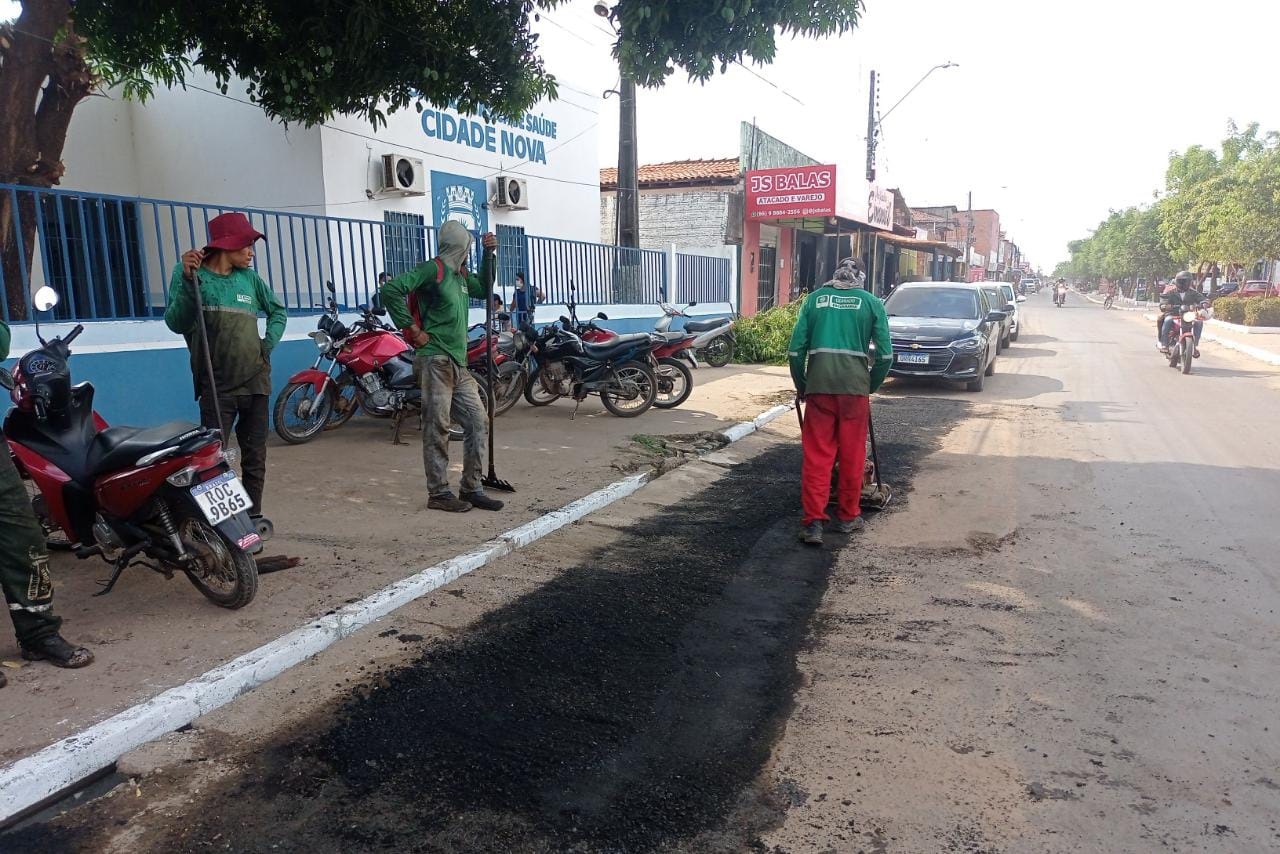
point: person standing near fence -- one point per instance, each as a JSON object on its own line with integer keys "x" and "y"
{"x": 430, "y": 305}
{"x": 24, "y": 568}
{"x": 233, "y": 295}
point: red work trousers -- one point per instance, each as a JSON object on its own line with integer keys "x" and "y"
{"x": 835, "y": 427}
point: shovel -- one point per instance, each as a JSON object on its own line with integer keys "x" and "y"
{"x": 491, "y": 480}
{"x": 204, "y": 349}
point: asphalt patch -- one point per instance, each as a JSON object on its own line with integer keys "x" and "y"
{"x": 626, "y": 705}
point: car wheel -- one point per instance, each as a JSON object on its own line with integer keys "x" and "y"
{"x": 1014, "y": 336}
{"x": 975, "y": 385}
{"x": 991, "y": 369}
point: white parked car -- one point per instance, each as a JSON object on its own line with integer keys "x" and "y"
{"x": 1013, "y": 299}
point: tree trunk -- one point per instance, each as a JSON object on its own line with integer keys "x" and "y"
{"x": 43, "y": 76}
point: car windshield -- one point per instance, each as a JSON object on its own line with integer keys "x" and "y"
{"x": 948, "y": 303}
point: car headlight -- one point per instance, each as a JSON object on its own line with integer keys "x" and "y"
{"x": 1189, "y": 317}
{"x": 970, "y": 343}
{"x": 322, "y": 339}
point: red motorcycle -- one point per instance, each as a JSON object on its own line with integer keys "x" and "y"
{"x": 167, "y": 492}
{"x": 370, "y": 367}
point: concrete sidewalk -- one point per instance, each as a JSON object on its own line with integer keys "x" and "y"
{"x": 352, "y": 505}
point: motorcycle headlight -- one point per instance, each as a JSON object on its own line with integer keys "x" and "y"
{"x": 322, "y": 339}
{"x": 1189, "y": 317}
{"x": 969, "y": 343}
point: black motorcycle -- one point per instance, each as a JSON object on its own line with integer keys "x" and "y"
{"x": 618, "y": 370}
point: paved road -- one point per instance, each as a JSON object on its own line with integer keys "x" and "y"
{"x": 1063, "y": 638}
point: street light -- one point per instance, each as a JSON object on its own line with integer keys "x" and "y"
{"x": 873, "y": 123}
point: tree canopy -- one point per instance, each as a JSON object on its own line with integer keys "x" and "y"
{"x": 1219, "y": 206}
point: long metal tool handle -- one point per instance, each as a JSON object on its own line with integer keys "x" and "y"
{"x": 204, "y": 347}
{"x": 875, "y": 455}
{"x": 488, "y": 350}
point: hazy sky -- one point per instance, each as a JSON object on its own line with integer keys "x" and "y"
{"x": 1057, "y": 112}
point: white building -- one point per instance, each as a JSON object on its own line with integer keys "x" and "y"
{"x": 198, "y": 145}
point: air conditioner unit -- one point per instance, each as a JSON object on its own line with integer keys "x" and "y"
{"x": 513, "y": 193}
{"x": 403, "y": 176}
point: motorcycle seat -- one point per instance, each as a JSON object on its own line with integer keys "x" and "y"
{"x": 615, "y": 346}
{"x": 705, "y": 325}
{"x": 118, "y": 448}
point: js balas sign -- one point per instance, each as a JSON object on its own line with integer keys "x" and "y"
{"x": 791, "y": 192}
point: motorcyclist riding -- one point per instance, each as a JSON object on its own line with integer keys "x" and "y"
{"x": 1173, "y": 303}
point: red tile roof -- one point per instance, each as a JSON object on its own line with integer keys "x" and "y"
{"x": 720, "y": 171}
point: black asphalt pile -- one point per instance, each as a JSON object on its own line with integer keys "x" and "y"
{"x": 626, "y": 705}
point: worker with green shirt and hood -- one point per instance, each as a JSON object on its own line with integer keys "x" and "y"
{"x": 430, "y": 305}
{"x": 840, "y": 353}
{"x": 233, "y": 295}
{"x": 24, "y": 568}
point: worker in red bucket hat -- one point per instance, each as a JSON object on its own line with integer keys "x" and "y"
{"x": 232, "y": 296}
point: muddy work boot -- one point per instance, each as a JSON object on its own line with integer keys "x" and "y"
{"x": 849, "y": 526}
{"x": 55, "y": 650}
{"x": 481, "y": 501}
{"x": 448, "y": 502}
{"x": 811, "y": 534}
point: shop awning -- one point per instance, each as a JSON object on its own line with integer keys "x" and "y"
{"x": 920, "y": 245}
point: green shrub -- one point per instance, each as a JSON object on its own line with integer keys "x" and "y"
{"x": 763, "y": 338}
{"x": 1229, "y": 309}
{"x": 1262, "y": 311}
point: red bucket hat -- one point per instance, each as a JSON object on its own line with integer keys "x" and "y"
{"x": 232, "y": 231}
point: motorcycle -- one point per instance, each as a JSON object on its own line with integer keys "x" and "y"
{"x": 567, "y": 366}
{"x": 671, "y": 350}
{"x": 166, "y": 492}
{"x": 1180, "y": 342}
{"x": 1060, "y": 297}
{"x": 1109, "y": 302}
{"x": 511, "y": 352}
{"x": 713, "y": 341}
{"x": 370, "y": 367}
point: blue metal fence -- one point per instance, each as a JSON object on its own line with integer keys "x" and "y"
{"x": 703, "y": 278}
{"x": 112, "y": 257}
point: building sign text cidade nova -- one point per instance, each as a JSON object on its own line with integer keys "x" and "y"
{"x": 791, "y": 191}
{"x": 525, "y": 140}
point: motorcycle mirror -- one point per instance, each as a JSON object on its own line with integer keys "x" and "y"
{"x": 565, "y": 320}
{"x": 602, "y": 315}
{"x": 379, "y": 311}
{"x": 330, "y": 288}
{"x": 45, "y": 298}
{"x": 6, "y": 379}
{"x": 692, "y": 304}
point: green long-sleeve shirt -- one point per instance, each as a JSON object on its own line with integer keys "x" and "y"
{"x": 830, "y": 350}
{"x": 443, "y": 307}
{"x": 4, "y": 340}
{"x": 241, "y": 360}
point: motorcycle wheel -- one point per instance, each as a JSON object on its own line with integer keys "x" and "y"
{"x": 536, "y": 395}
{"x": 719, "y": 352}
{"x": 625, "y": 376}
{"x": 1188, "y": 351}
{"x": 226, "y": 575}
{"x": 509, "y": 386}
{"x": 346, "y": 401}
{"x": 300, "y": 414}
{"x": 675, "y": 383}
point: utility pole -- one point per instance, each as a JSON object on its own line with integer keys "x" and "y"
{"x": 628, "y": 166}
{"x": 871, "y": 130}
{"x": 968, "y": 242}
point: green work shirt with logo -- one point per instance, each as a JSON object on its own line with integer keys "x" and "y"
{"x": 241, "y": 359}
{"x": 4, "y": 340}
{"x": 443, "y": 305}
{"x": 840, "y": 344}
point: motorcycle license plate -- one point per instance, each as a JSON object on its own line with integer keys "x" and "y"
{"x": 221, "y": 498}
{"x": 914, "y": 358}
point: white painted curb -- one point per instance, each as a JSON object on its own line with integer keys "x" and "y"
{"x": 40, "y": 776}
{"x": 1247, "y": 349}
